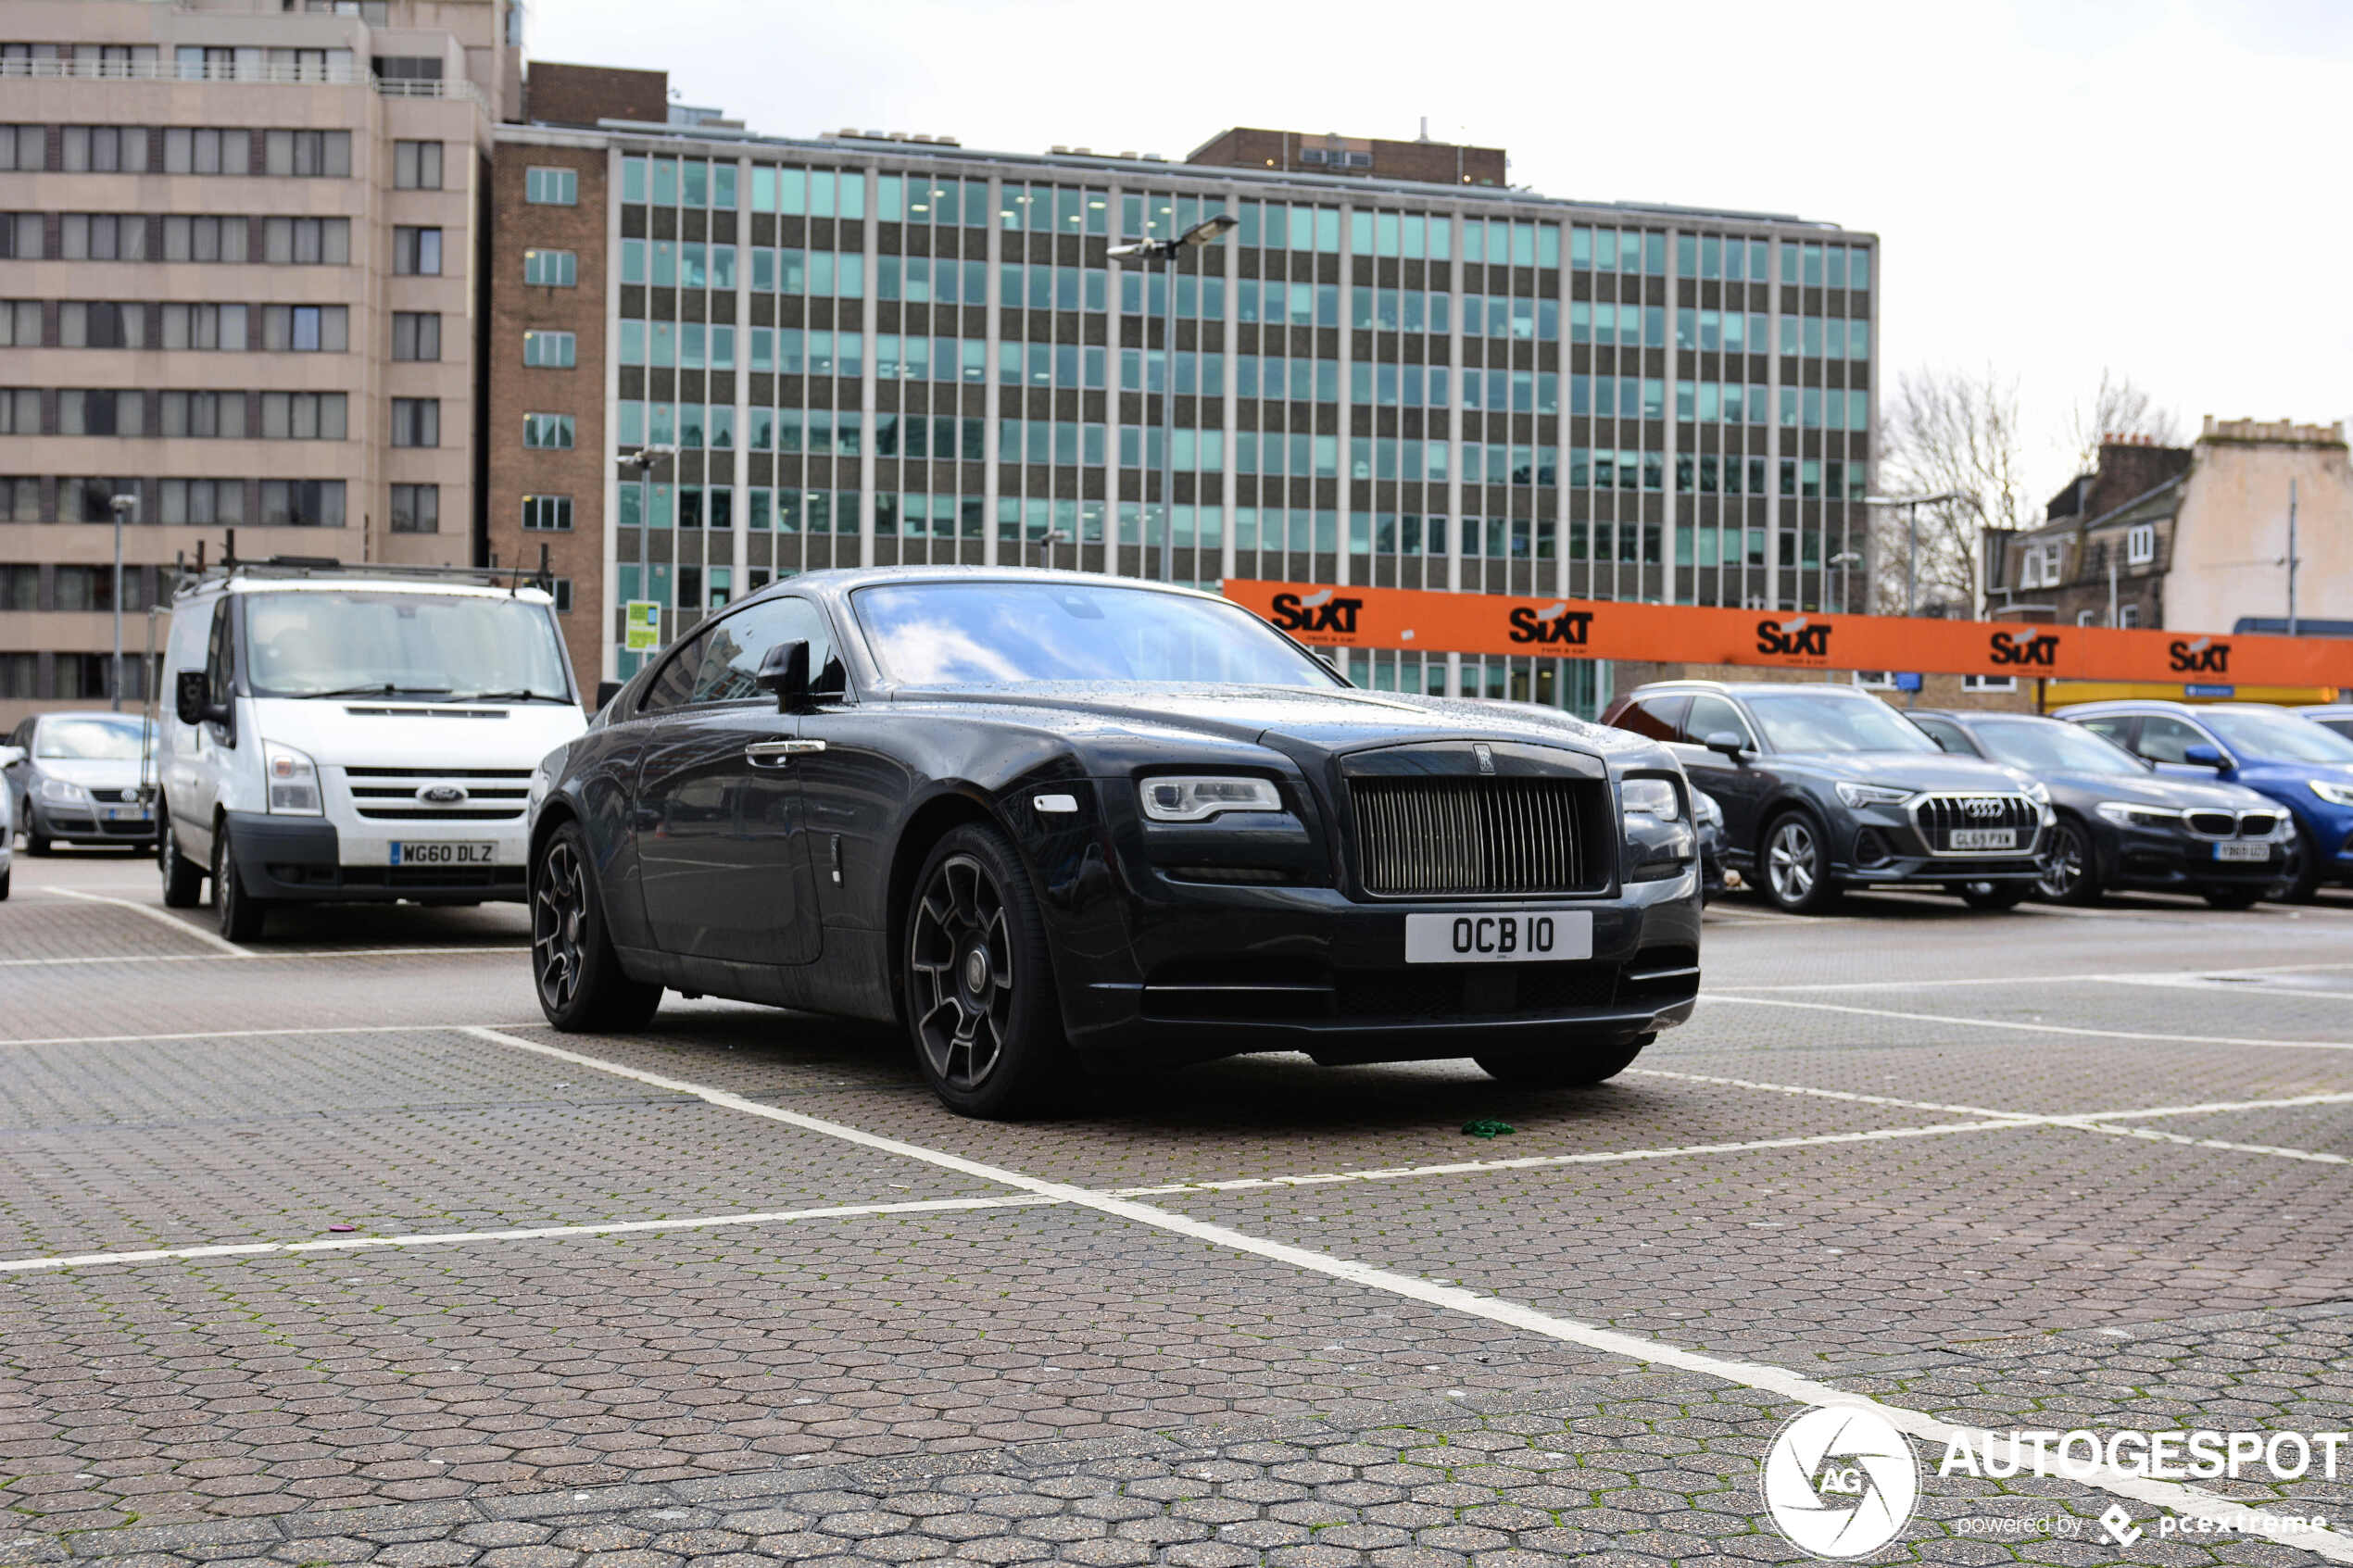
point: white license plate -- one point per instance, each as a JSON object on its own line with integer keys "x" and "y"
{"x": 1982, "y": 838}
{"x": 1520, "y": 936}
{"x": 467, "y": 854}
{"x": 2242, "y": 851}
{"x": 126, "y": 813}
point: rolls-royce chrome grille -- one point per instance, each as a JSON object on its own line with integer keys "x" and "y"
{"x": 1449, "y": 836}
{"x": 1940, "y": 816}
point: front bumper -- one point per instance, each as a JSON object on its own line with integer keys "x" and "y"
{"x": 1880, "y": 845}
{"x": 299, "y": 860}
{"x": 2155, "y": 860}
{"x": 87, "y": 824}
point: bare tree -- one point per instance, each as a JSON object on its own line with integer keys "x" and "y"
{"x": 1944, "y": 433}
{"x": 2120, "y": 407}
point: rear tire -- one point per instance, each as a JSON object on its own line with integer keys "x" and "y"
{"x": 1794, "y": 865}
{"x": 1568, "y": 1068}
{"x": 2233, "y": 898}
{"x": 574, "y": 970}
{"x": 2070, "y": 868}
{"x": 238, "y": 914}
{"x": 1996, "y": 895}
{"x": 982, "y": 1009}
{"x": 35, "y": 841}
{"x": 182, "y": 878}
{"x": 4, "y": 883}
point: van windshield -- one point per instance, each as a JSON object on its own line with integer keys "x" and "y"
{"x": 353, "y": 642}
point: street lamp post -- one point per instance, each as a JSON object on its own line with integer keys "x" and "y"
{"x": 1209, "y": 231}
{"x": 1912, "y": 505}
{"x": 120, "y": 505}
{"x": 643, "y": 460}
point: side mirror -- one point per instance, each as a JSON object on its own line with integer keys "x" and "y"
{"x": 784, "y": 672}
{"x": 2205, "y": 756}
{"x": 1729, "y": 742}
{"x": 606, "y": 692}
{"x": 187, "y": 690}
{"x": 10, "y": 756}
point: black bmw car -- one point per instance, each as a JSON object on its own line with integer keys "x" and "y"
{"x": 2122, "y": 824}
{"x": 1825, "y": 787}
{"x": 1044, "y": 820}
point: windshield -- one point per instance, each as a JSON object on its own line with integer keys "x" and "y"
{"x": 1008, "y": 634}
{"x": 2051, "y": 746}
{"x": 90, "y": 740}
{"x": 1816, "y": 722}
{"x": 2280, "y": 736}
{"x": 355, "y": 642}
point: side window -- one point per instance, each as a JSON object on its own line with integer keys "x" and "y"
{"x": 2165, "y": 739}
{"x": 1654, "y": 717}
{"x": 1710, "y": 714}
{"x": 1946, "y": 733}
{"x": 219, "y": 665}
{"x": 2112, "y": 726}
{"x": 675, "y": 683}
{"x": 730, "y": 663}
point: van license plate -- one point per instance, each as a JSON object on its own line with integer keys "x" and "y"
{"x": 1982, "y": 838}
{"x": 1520, "y": 936}
{"x": 2242, "y": 852}
{"x": 445, "y": 854}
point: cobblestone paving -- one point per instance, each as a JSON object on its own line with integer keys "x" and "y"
{"x": 1029, "y": 1381}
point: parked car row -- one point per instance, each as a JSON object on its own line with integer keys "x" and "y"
{"x": 1826, "y": 788}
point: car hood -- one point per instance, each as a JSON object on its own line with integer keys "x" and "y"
{"x": 1905, "y": 770}
{"x": 385, "y": 733}
{"x": 1334, "y": 721}
{"x": 105, "y": 773}
{"x": 2155, "y": 789}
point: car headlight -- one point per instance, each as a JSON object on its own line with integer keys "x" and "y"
{"x": 1651, "y": 797}
{"x": 1184, "y": 798}
{"x": 1704, "y": 809}
{"x": 293, "y": 781}
{"x": 2125, "y": 814}
{"x": 64, "y": 794}
{"x": 2334, "y": 794}
{"x": 1872, "y": 795}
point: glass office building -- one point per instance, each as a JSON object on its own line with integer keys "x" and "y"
{"x": 873, "y": 350}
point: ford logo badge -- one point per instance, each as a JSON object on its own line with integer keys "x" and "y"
{"x": 441, "y": 795}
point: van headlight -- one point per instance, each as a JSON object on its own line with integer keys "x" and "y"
{"x": 1184, "y": 798}
{"x": 293, "y": 778}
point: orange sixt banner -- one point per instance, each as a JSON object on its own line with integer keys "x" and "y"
{"x": 1430, "y": 622}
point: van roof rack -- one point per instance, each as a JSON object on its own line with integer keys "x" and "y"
{"x": 492, "y": 576}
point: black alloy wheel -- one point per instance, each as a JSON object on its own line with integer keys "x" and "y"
{"x": 581, "y": 985}
{"x": 1570, "y": 1067}
{"x": 2070, "y": 868}
{"x": 981, "y": 1003}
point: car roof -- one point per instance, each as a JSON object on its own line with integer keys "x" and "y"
{"x": 836, "y": 581}
{"x": 132, "y": 717}
{"x": 1752, "y": 689}
{"x": 1968, "y": 716}
{"x": 2132, "y": 705}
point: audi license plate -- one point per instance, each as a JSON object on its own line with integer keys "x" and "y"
{"x": 2242, "y": 851}
{"x": 469, "y": 854}
{"x": 1521, "y": 936}
{"x": 1981, "y": 838}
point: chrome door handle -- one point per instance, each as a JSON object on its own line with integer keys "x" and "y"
{"x": 777, "y": 753}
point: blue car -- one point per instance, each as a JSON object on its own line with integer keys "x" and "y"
{"x": 2305, "y": 767}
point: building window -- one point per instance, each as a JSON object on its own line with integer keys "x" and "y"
{"x": 103, "y": 149}
{"x": 562, "y": 588}
{"x": 193, "y": 150}
{"x": 19, "y": 411}
{"x": 200, "y": 500}
{"x": 101, "y": 413}
{"x": 309, "y": 154}
{"x": 407, "y": 67}
{"x": 1989, "y": 683}
{"x": 416, "y": 166}
{"x": 24, "y": 148}
{"x": 2087, "y": 617}
{"x": 302, "y": 503}
{"x": 416, "y": 253}
{"x": 21, "y": 323}
{"x": 2128, "y": 616}
{"x": 551, "y": 187}
{"x": 546, "y": 514}
{"x": 22, "y": 236}
{"x": 105, "y": 236}
{"x": 553, "y": 351}
{"x": 556, "y": 269}
{"x": 415, "y": 509}
{"x": 207, "y": 326}
{"x": 92, "y": 324}
{"x": 551, "y": 432}
{"x": 416, "y": 421}
{"x": 1875, "y": 679}
{"x": 305, "y": 242}
{"x": 305, "y": 329}
{"x": 2140, "y": 543}
{"x": 215, "y": 414}
{"x": 416, "y": 334}
{"x": 304, "y": 416}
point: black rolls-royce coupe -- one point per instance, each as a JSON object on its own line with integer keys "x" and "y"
{"x": 1045, "y": 820}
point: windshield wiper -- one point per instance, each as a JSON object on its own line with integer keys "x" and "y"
{"x": 379, "y": 688}
{"x": 523, "y": 694}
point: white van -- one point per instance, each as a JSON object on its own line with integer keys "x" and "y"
{"x": 354, "y": 734}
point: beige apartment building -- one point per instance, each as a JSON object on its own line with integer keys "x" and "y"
{"x": 239, "y": 286}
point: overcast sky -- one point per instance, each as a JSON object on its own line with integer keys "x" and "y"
{"x": 2059, "y": 186}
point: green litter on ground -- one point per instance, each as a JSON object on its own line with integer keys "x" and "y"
{"x": 1488, "y": 1127}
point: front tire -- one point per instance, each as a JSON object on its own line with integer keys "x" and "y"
{"x": 1562, "y": 1069}
{"x": 239, "y": 914}
{"x": 1796, "y": 865}
{"x": 2070, "y": 868}
{"x": 981, "y": 1004}
{"x": 182, "y": 878}
{"x": 2309, "y": 866}
{"x": 581, "y": 985}
{"x": 35, "y": 841}
{"x": 3, "y": 882}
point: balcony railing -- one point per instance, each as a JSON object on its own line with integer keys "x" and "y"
{"x": 251, "y": 73}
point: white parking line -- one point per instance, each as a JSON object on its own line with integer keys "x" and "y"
{"x": 1828, "y": 1093}
{"x": 1782, "y": 1384}
{"x": 2156, "y": 1135}
{"x": 262, "y": 1034}
{"x": 2144, "y": 977}
{"x": 445, "y": 1238}
{"x": 2038, "y": 1028}
{"x": 265, "y": 955}
{"x": 2215, "y": 983}
{"x": 209, "y": 938}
